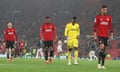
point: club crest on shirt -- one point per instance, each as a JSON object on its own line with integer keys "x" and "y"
{"x": 108, "y": 19}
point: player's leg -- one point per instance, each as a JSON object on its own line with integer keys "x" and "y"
{"x": 105, "y": 42}
{"x": 69, "y": 45}
{"x": 60, "y": 51}
{"x": 99, "y": 59}
{"x": 76, "y": 55}
{"x": 12, "y": 53}
{"x": 46, "y": 51}
{"x": 101, "y": 46}
{"x": 46, "y": 54}
{"x": 7, "y": 50}
{"x": 69, "y": 56}
{"x": 75, "y": 44}
{"x": 12, "y": 50}
{"x": 51, "y": 56}
{"x": 41, "y": 53}
{"x": 103, "y": 61}
{"x": 37, "y": 53}
{"x": 20, "y": 51}
{"x": 51, "y": 51}
{"x": 90, "y": 57}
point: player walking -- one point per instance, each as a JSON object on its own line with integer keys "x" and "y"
{"x": 10, "y": 37}
{"x": 48, "y": 35}
{"x": 72, "y": 32}
{"x": 102, "y": 27}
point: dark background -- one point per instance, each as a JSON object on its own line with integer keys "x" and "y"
{"x": 27, "y": 15}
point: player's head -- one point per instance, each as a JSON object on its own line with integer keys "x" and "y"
{"x": 47, "y": 19}
{"x": 104, "y": 9}
{"x": 22, "y": 39}
{"x": 74, "y": 19}
{"x": 9, "y": 24}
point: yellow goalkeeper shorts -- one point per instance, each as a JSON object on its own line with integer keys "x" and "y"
{"x": 71, "y": 43}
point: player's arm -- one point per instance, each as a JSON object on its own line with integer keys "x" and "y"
{"x": 78, "y": 32}
{"x": 111, "y": 28}
{"x": 66, "y": 30}
{"x": 95, "y": 28}
{"x": 16, "y": 38}
{"x": 55, "y": 32}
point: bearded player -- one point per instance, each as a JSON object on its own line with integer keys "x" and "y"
{"x": 48, "y": 36}
{"x": 102, "y": 29}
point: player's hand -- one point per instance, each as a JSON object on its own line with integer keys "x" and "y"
{"x": 42, "y": 39}
{"x": 55, "y": 40}
{"x": 95, "y": 36}
{"x": 111, "y": 37}
{"x": 16, "y": 42}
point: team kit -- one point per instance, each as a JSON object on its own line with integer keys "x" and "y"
{"x": 102, "y": 31}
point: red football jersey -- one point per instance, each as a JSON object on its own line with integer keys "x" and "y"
{"x": 103, "y": 25}
{"x": 48, "y": 32}
{"x": 10, "y": 34}
{"x": 22, "y": 44}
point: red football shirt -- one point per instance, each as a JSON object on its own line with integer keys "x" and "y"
{"x": 10, "y": 34}
{"x": 103, "y": 25}
{"x": 48, "y": 32}
{"x": 22, "y": 44}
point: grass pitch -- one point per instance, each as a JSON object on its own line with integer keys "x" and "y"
{"x": 38, "y": 65}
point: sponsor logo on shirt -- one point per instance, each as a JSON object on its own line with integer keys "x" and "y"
{"x": 73, "y": 29}
{"x": 104, "y": 23}
{"x": 48, "y": 30}
{"x": 10, "y": 33}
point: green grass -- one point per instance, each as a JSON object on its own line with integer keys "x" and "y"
{"x": 37, "y": 65}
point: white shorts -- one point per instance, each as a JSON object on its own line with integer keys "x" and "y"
{"x": 40, "y": 50}
{"x": 59, "y": 49}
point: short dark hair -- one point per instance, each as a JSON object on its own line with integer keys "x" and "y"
{"x": 104, "y": 6}
{"x": 47, "y": 17}
{"x": 9, "y": 22}
{"x": 74, "y": 17}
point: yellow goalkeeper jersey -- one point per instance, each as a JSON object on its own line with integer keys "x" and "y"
{"x": 72, "y": 31}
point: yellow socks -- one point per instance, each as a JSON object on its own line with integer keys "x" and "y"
{"x": 76, "y": 55}
{"x": 69, "y": 56}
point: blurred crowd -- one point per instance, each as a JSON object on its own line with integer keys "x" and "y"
{"x": 28, "y": 19}
{"x": 86, "y": 44}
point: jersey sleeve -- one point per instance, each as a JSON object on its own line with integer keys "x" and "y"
{"x": 16, "y": 38}
{"x": 78, "y": 32}
{"x": 110, "y": 25}
{"x": 66, "y": 30}
{"x": 54, "y": 32}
